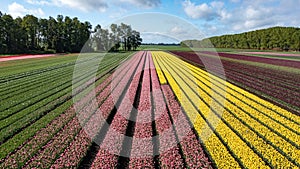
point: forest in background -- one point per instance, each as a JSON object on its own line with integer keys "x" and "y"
{"x": 62, "y": 35}
{"x": 275, "y": 38}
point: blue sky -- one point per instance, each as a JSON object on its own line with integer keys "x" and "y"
{"x": 210, "y": 17}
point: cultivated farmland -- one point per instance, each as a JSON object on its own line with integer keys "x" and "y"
{"x": 149, "y": 109}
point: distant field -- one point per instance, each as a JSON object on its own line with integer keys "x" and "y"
{"x": 278, "y": 55}
{"x": 180, "y": 48}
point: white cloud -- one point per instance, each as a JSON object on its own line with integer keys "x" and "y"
{"x": 86, "y": 5}
{"x": 96, "y": 5}
{"x": 37, "y": 2}
{"x": 217, "y": 5}
{"x": 142, "y": 3}
{"x": 177, "y": 30}
{"x": 235, "y": 1}
{"x": 205, "y": 11}
{"x": 194, "y": 11}
{"x": 16, "y": 10}
{"x": 249, "y": 17}
{"x": 257, "y": 14}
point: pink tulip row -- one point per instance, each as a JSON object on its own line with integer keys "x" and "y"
{"x": 169, "y": 151}
{"x": 98, "y": 119}
{"x": 192, "y": 149}
{"x": 113, "y": 141}
{"x": 142, "y": 146}
{"x": 69, "y": 157}
{"x": 25, "y": 151}
{"x": 143, "y": 125}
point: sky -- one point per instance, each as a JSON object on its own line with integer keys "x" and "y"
{"x": 168, "y": 21}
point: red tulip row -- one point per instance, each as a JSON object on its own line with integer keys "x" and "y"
{"x": 191, "y": 148}
{"x": 81, "y": 142}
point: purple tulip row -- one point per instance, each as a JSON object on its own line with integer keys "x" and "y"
{"x": 277, "y": 75}
{"x": 281, "y": 78}
{"x": 279, "y": 62}
{"x": 275, "y": 83}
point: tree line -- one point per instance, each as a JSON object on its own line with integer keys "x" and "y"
{"x": 275, "y": 38}
{"x": 30, "y": 34}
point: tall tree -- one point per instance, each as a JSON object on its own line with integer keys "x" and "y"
{"x": 63, "y": 34}
{"x": 279, "y": 38}
{"x": 31, "y": 25}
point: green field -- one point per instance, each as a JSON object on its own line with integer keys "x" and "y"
{"x": 36, "y": 91}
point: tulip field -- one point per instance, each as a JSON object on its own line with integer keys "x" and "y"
{"x": 276, "y": 81}
{"x": 148, "y": 109}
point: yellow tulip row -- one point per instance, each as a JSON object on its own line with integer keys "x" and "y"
{"x": 285, "y": 146}
{"x": 161, "y": 77}
{"x": 260, "y": 104}
{"x": 242, "y": 139}
{"x": 217, "y": 150}
{"x": 237, "y": 146}
{"x": 262, "y": 147}
{"x": 282, "y": 143}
